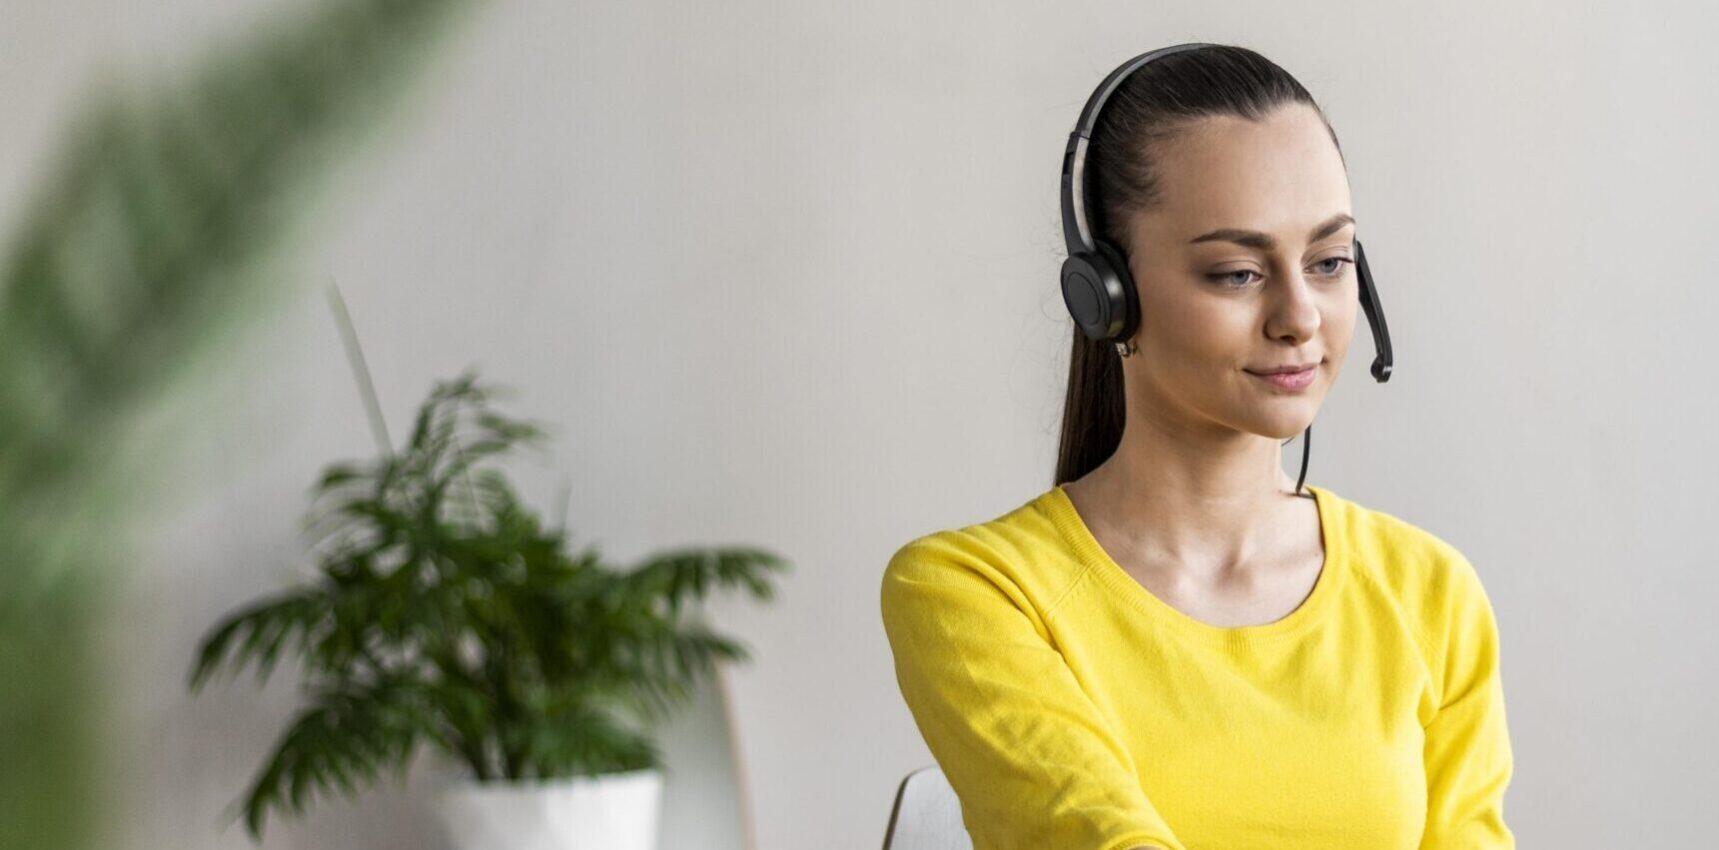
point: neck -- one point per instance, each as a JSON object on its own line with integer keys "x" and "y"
{"x": 1193, "y": 497}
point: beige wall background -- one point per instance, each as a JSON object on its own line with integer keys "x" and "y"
{"x": 784, "y": 273}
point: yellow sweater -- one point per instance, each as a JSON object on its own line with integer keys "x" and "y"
{"x": 1071, "y": 709}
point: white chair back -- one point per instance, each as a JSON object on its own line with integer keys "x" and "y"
{"x": 926, "y": 815}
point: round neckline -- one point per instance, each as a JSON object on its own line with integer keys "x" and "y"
{"x": 1098, "y": 562}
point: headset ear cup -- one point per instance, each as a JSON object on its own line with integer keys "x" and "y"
{"x": 1084, "y": 294}
{"x": 1126, "y": 301}
{"x": 1099, "y": 295}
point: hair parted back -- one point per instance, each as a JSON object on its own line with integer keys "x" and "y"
{"x": 1155, "y": 103}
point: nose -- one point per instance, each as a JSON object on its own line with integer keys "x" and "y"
{"x": 1292, "y": 311}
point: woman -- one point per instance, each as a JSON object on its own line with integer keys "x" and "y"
{"x": 1173, "y": 647}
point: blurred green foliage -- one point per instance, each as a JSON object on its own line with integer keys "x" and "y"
{"x": 157, "y": 232}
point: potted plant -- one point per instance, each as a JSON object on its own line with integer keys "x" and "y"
{"x": 445, "y": 614}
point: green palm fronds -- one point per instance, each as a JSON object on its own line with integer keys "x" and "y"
{"x": 447, "y": 614}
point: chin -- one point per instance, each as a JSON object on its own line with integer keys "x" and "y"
{"x": 1281, "y": 429}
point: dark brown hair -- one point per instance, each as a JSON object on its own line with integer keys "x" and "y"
{"x": 1157, "y": 101}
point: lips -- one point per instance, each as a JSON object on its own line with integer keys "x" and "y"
{"x": 1293, "y": 381}
{"x": 1283, "y": 370}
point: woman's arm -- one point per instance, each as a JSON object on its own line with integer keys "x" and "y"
{"x": 1467, "y": 743}
{"x": 1029, "y": 755}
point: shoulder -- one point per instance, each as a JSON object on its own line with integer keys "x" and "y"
{"x": 1430, "y": 579}
{"x": 1019, "y": 555}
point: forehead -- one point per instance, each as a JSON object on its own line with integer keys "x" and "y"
{"x": 1281, "y": 174}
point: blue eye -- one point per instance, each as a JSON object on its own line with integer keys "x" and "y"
{"x": 1227, "y": 278}
{"x": 1339, "y": 261}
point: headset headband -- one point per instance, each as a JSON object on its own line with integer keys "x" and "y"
{"x": 1076, "y": 227}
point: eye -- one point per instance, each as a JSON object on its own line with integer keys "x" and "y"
{"x": 1227, "y": 279}
{"x": 1337, "y": 269}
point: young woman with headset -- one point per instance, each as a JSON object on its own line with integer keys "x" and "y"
{"x": 1175, "y": 646}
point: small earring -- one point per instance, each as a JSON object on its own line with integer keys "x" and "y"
{"x": 1123, "y": 349}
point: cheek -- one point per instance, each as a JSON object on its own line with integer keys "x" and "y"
{"x": 1198, "y": 332}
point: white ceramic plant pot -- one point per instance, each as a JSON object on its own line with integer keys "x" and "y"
{"x": 616, "y": 811}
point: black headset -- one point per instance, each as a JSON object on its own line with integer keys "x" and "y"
{"x": 1096, "y": 286}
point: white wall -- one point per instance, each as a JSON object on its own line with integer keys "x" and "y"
{"x": 784, "y": 274}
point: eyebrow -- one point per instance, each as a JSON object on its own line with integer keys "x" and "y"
{"x": 1265, "y": 241}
